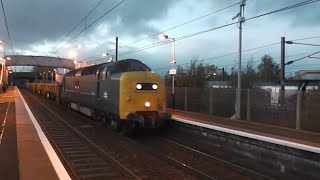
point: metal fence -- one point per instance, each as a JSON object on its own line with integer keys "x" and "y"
{"x": 300, "y": 110}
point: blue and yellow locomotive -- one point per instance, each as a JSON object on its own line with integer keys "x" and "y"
{"x": 125, "y": 94}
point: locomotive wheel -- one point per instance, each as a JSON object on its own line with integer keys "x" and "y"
{"x": 115, "y": 125}
{"x": 95, "y": 117}
{"x": 128, "y": 129}
{"x": 104, "y": 121}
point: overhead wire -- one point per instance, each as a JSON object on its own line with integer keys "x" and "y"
{"x": 285, "y": 8}
{"x": 176, "y": 26}
{"x": 219, "y": 27}
{"x": 293, "y": 61}
{"x": 230, "y": 54}
{"x": 247, "y": 50}
{"x": 76, "y": 26}
{"x": 91, "y": 24}
{"x": 234, "y": 53}
{"x": 301, "y": 39}
{"x": 7, "y": 28}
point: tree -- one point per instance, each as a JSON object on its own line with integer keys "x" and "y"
{"x": 196, "y": 74}
{"x": 249, "y": 77}
{"x": 268, "y": 70}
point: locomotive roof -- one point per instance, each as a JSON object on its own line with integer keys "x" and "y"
{"x": 120, "y": 66}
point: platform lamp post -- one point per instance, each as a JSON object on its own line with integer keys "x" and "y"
{"x": 74, "y": 54}
{"x": 106, "y": 55}
{"x": 47, "y": 77}
{"x": 172, "y": 62}
{"x": 51, "y": 73}
{"x": 54, "y": 74}
{"x": 43, "y": 74}
{"x": 7, "y": 59}
{"x": 222, "y": 73}
{"x": 10, "y": 72}
{"x": 2, "y": 47}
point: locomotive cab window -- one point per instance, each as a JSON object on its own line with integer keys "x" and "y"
{"x": 103, "y": 73}
{"x": 92, "y": 70}
{"x": 129, "y": 65}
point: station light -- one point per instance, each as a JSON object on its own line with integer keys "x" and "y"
{"x": 163, "y": 37}
{"x": 172, "y": 62}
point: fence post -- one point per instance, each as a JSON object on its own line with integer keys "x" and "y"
{"x": 298, "y": 110}
{"x": 248, "y": 106}
{"x": 210, "y": 106}
{"x": 185, "y": 99}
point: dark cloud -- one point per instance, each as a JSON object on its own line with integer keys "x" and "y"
{"x": 302, "y": 16}
{"x": 137, "y": 13}
{"x": 38, "y": 20}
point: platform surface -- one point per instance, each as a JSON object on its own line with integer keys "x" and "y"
{"x": 9, "y": 162}
{"x": 298, "y": 139}
{"x": 24, "y": 152}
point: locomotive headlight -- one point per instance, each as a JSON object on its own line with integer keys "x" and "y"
{"x": 147, "y": 104}
{"x": 139, "y": 86}
{"x": 155, "y": 86}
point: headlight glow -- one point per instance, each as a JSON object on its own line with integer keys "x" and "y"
{"x": 154, "y": 86}
{"x": 147, "y": 104}
{"x": 139, "y": 86}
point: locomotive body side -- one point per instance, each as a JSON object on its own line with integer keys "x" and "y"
{"x": 109, "y": 93}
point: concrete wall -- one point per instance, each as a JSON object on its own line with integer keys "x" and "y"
{"x": 276, "y": 161}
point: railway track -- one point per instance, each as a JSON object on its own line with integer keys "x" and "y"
{"x": 83, "y": 158}
{"x": 162, "y": 158}
{"x": 142, "y": 164}
{"x": 209, "y": 159}
{"x": 203, "y": 165}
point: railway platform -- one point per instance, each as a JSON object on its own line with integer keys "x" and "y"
{"x": 25, "y": 152}
{"x": 285, "y": 153}
{"x": 298, "y": 139}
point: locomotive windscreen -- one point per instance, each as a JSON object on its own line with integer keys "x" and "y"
{"x": 129, "y": 65}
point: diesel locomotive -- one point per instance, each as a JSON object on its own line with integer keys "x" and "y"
{"x": 124, "y": 94}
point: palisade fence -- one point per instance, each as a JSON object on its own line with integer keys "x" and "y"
{"x": 257, "y": 105}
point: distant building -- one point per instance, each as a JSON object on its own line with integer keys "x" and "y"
{"x": 306, "y": 79}
{"x": 307, "y": 75}
{"x": 218, "y": 84}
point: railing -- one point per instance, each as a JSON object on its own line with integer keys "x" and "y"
{"x": 300, "y": 110}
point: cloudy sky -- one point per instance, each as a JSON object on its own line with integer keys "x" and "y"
{"x": 38, "y": 27}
